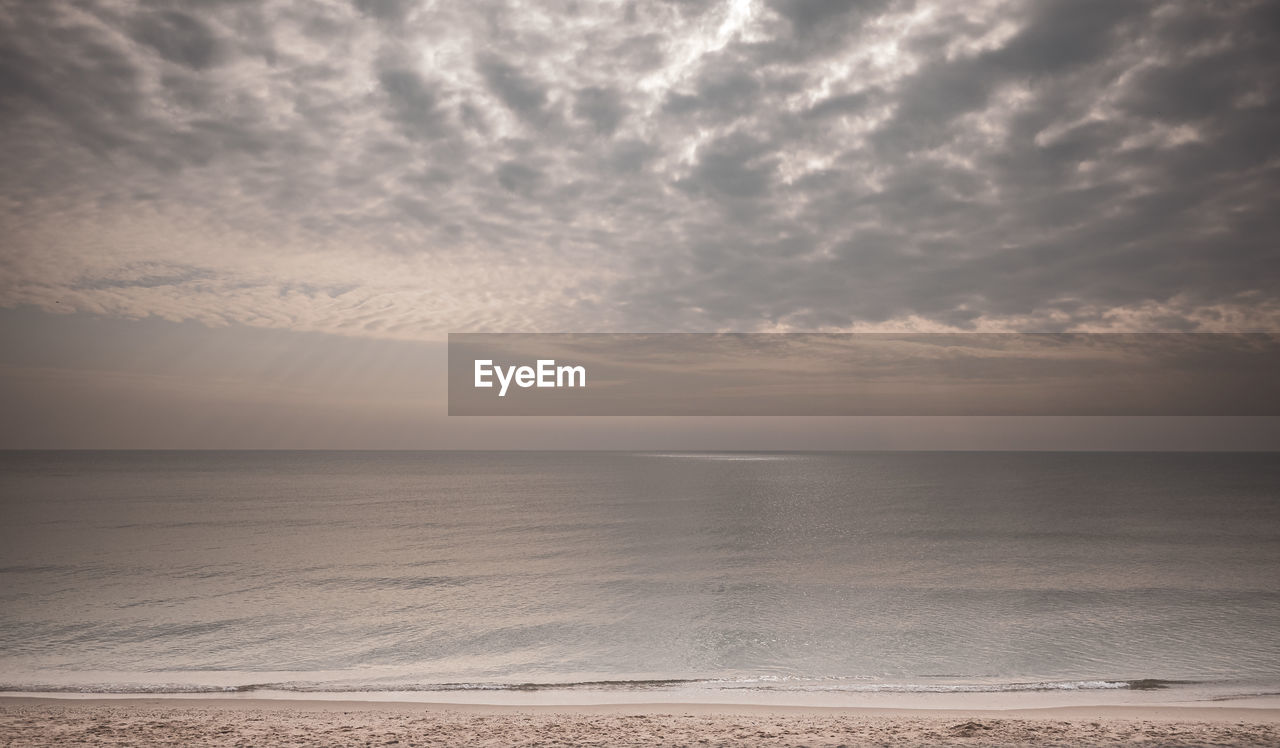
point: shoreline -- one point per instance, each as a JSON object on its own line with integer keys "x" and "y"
{"x": 44, "y": 720}
{"x": 1179, "y": 712}
{"x": 1257, "y": 700}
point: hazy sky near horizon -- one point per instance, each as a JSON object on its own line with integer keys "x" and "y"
{"x": 258, "y": 177}
{"x": 85, "y": 382}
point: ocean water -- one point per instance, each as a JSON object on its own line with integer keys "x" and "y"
{"x": 715, "y": 574}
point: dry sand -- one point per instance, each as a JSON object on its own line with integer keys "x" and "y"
{"x": 265, "y": 722}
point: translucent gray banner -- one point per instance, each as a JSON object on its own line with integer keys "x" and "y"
{"x": 640, "y": 374}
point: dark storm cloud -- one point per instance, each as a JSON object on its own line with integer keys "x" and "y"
{"x": 788, "y": 164}
{"x": 178, "y": 37}
{"x": 733, "y": 167}
{"x": 385, "y": 10}
{"x": 518, "y": 177}
{"x": 93, "y": 87}
{"x": 728, "y": 91}
{"x": 525, "y": 96}
{"x": 836, "y": 106}
{"x": 603, "y": 107}
{"x": 809, "y": 16}
{"x": 414, "y": 105}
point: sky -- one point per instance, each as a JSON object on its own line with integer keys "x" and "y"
{"x": 207, "y": 209}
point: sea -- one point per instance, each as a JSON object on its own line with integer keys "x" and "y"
{"x": 829, "y": 578}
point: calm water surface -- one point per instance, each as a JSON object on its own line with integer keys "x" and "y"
{"x": 365, "y": 571}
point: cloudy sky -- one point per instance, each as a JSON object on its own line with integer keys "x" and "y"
{"x": 381, "y": 172}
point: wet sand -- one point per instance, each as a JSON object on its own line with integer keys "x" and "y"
{"x": 268, "y": 722}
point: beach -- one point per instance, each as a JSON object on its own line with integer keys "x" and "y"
{"x": 242, "y": 722}
{"x": 233, "y": 598}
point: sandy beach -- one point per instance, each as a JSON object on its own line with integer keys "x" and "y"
{"x": 224, "y": 722}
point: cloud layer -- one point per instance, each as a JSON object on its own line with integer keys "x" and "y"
{"x": 393, "y": 168}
